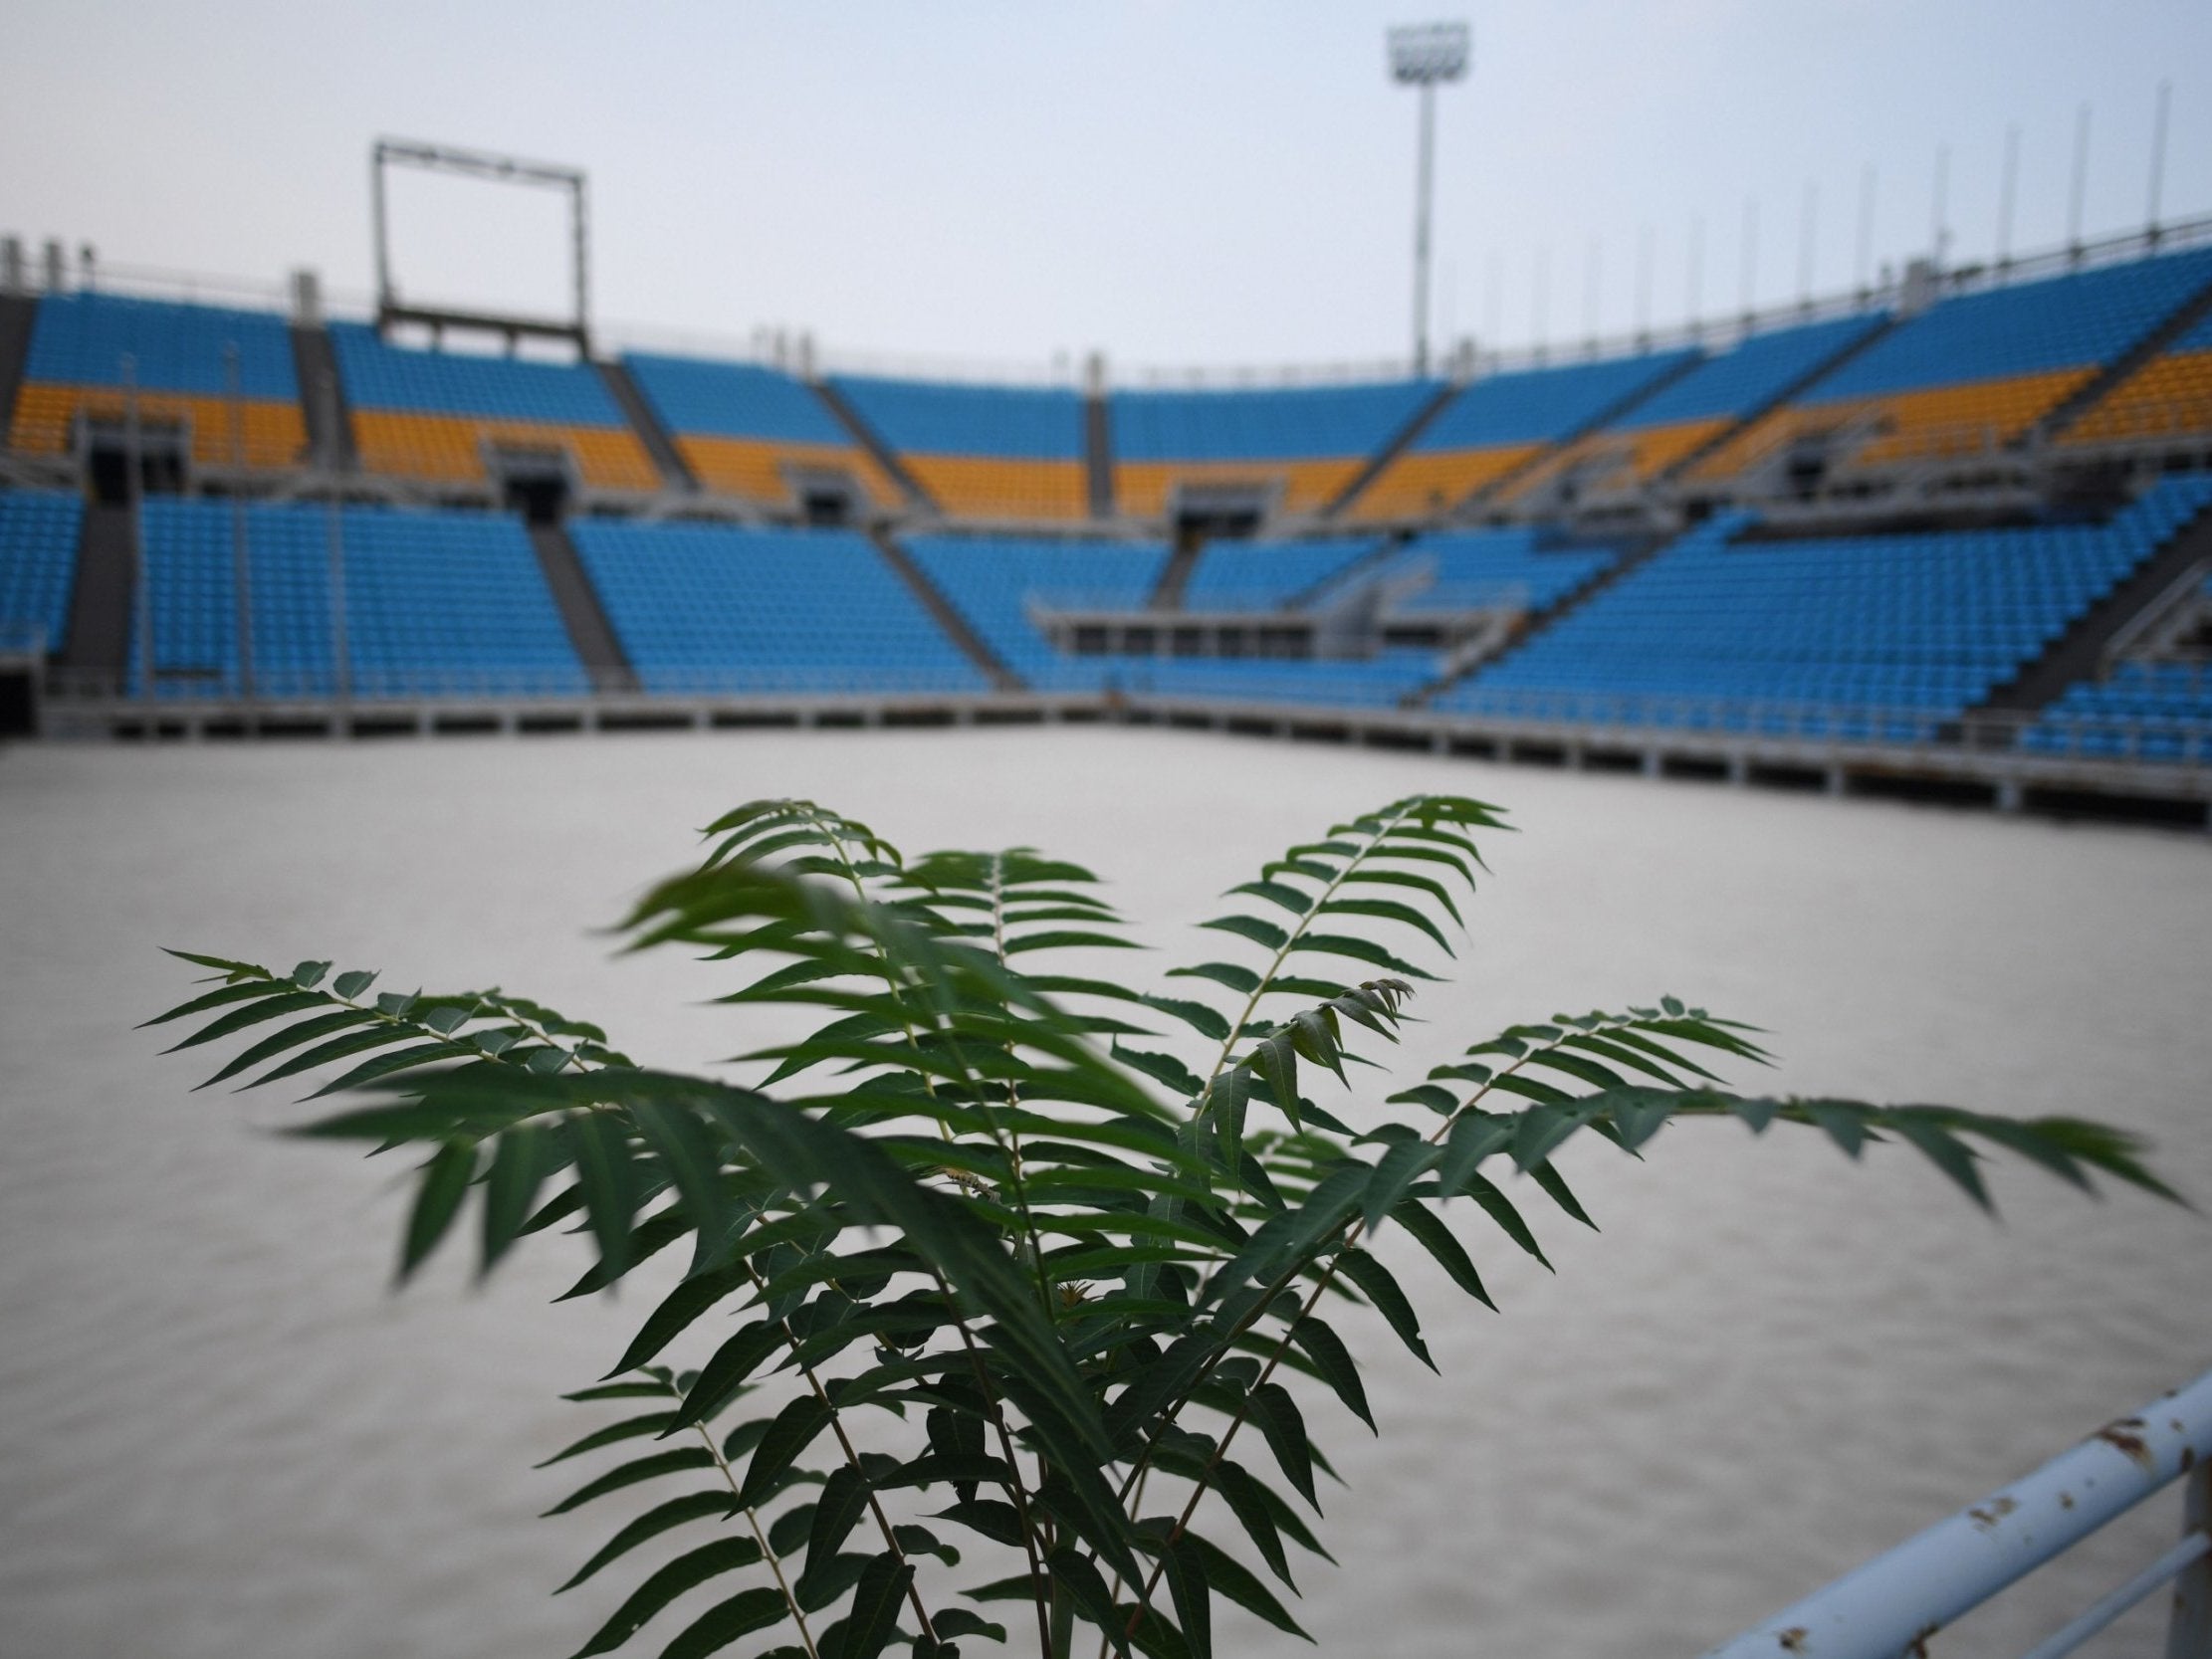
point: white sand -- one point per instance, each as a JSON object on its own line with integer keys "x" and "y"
{"x": 220, "y": 1435}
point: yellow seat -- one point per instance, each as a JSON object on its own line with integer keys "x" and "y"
{"x": 270, "y": 432}
{"x": 2169, "y": 396}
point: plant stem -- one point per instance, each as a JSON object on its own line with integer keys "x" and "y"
{"x": 768, "y": 1553}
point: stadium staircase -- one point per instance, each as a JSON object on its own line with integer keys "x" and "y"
{"x": 2078, "y": 653}
{"x": 17, "y": 314}
{"x": 1503, "y": 486}
{"x": 99, "y": 641}
{"x": 941, "y": 610}
{"x": 1632, "y": 554}
{"x": 589, "y": 632}
{"x": 1349, "y": 575}
{"x": 640, "y": 413}
{"x": 870, "y": 440}
{"x": 1391, "y": 450}
{"x": 2079, "y": 403}
{"x": 1098, "y": 456}
{"x": 314, "y": 361}
{"x": 1781, "y": 399}
{"x": 1174, "y": 575}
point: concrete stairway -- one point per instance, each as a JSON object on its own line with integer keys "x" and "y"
{"x": 2078, "y": 653}
{"x": 942, "y": 613}
{"x": 655, "y": 437}
{"x": 1098, "y": 456}
{"x": 1391, "y": 450}
{"x": 99, "y": 638}
{"x": 314, "y": 361}
{"x": 18, "y": 311}
{"x": 2079, "y": 402}
{"x": 581, "y": 612}
{"x": 870, "y": 440}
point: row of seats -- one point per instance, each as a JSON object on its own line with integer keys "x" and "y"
{"x": 2144, "y": 712}
{"x": 225, "y": 377}
{"x": 1976, "y": 371}
{"x": 708, "y": 608}
{"x": 436, "y": 604}
{"x": 39, "y": 530}
{"x": 1001, "y": 585}
{"x": 1509, "y": 568}
{"x": 1923, "y": 625}
{"x": 1970, "y": 370}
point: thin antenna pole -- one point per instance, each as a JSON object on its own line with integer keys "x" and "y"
{"x": 1939, "y": 231}
{"x": 1542, "y": 295}
{"x": 2158, "y": 158}
{"x": 2005, "y": 195}
{"x": 1493, "y": 297}
{"x": 1750, "y": 251}
{"x": 376, "y": 220}
{"x": 1589, "y": 284}
{"x": 1695, "y": 279}
{"x": 1866, "y": 230}
{"x": 241, "y": 573}
{"x": 1807, "y": 229}
{"x": 2080, "y": 183}
{"x": 581, "y": 230}
{"x": 341, "y": 664}
{"x": 141, "y": 589}
{"x": 1645, "y": 247}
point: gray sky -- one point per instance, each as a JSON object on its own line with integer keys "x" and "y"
{"x": 1173, "y": 182}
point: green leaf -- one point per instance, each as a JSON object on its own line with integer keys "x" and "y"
{"x": 1389, "y": 1298}
{"x": 633, "y": 1429}
{"x": 291, "y": 1036}
{"x": 724, "y": 1623}
{"x": 1186, "y": 1585}
{"x": 350, "y": 985}
{"x": 222, "y": 997}
{"x": 307, "y": 975}
{"x": 792, "y": 1431}
{"x": 629, "y": 1474}
{"x": 609, "y": 1179}
{"x": 1395, "y": 1173}
{"x": 445, "y": 1180}
{"x": 696, "y": 1506}
{"x": 1073, "y": 1573}
{"x": 1334, "y": 1361}
{"x": 1440, "y": 1242}
{"x": 1250, "y": 927}
{"x": 1229, "y": 1576}
{"x": 875, "y": 1607}
{"x": 733, "y": 1362}
{"x": 1280, "y": 1419}
{"x": 1240, "y": 979}
{"x": 525, "y": 1156}
{"x": 955, "y": 1622}
{"x": 1500, "y": 1209}
{"x": 1249, "y": 1505}
{"x": 262, "y": 1008}
{"x": 677, "y": 1312}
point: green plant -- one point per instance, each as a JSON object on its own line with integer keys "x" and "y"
{"x": 1007, "y": 1274}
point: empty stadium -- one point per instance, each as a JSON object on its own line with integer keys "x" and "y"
{"x": 1944, "y": 537}
{"x": 1835, "y": 632}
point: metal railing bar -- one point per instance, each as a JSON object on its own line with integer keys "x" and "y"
{"x": 2103, "y": 1612}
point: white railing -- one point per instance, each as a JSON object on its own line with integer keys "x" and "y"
{"x": 1890, "y": 1606}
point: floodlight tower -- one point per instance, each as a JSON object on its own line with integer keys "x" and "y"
{"x": 1426, "y": 54}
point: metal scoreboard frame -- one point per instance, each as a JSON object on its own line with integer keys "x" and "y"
{"x": 494, "y": 169}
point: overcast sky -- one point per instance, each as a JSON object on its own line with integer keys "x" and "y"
{"x": 1175, "y": 181}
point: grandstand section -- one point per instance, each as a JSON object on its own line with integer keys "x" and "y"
{"x": 1506, "y": 568}
{"x": 1301, "y": 446}
{"x": 1973, "y": 372}
{"x": 1865, "y": 636}
{"x": 754, "y": 432}
{"x": 1270, "y": 575}
{"x": 38, "y": 566}
{"x": 2155, "y": 711}
{"x": 444, "y": 416}
{"x": 436, "y": 604}
{"x": 1673, "y": 425}
{"x": 1387, "y": 680}
{"x": 1000, "y": 585}
{"x": 93, "y": 356}
{"x": 989, "y": 453}
{"x": 710, "y": 608}
{"x": 1500, "y": 423}
{"x": 2169, "y": 396}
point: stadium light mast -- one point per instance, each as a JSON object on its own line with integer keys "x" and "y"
{"x": 1426, "y": 56}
